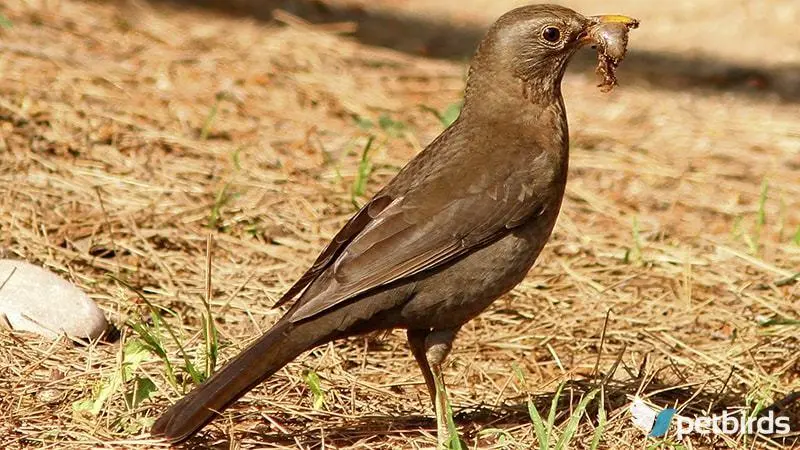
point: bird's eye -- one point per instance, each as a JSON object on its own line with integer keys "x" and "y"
{"x": 551, "y": 34}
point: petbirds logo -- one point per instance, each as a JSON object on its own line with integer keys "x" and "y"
{"x": 657, "y": 424}
{"x": 645, "y": 418}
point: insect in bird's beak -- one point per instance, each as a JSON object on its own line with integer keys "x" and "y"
{"x": 609, "y": 35}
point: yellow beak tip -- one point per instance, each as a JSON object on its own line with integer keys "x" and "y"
{"x": 616, "y": 18}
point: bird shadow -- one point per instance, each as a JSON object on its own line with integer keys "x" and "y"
{"x": 436, "y": 37}
{"x": 691, "y": 401}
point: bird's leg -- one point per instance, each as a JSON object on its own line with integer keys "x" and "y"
{"x": 437, "y": 347}
{"x": 416, "y": 340}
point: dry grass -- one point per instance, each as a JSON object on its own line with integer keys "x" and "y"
{"x": 130, "y": 133}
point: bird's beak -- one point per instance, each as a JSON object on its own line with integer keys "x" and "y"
{"x": 630, "y": 22}
{"x": 594, "y": 21}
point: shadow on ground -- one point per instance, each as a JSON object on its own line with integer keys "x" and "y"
{"x": 435, "y": 38}
{"x": 699, "y": 401}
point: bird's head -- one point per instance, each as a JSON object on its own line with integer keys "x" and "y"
{"x": 533, "y": 44}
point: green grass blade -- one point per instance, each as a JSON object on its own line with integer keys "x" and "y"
{"x": 153, "y": 338}
{"x": 455, "y": 440}
{"x": 315, "y": 385}
{"x": 5, "y": 22}
{"x": 446, "y": 116}
{"x": 538, "y": 426}
{"x": 601, "y": 421}
{"x": 762, "y": 204}
{"x": 536, "y": 419}
{"x": 364, "y": 171}
{"x": 450, "y": 114}
{"x": 211, "y": 345}
{"x": 551, "y": 416}
{"x": 574, "y": 420}
{"x": 212, "y": 114}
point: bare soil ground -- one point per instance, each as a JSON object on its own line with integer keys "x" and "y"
{"x": 132, "y": 132}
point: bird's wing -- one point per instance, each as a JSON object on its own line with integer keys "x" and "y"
{"x": 351, "y": 229}
{"x": 395, "y": 237}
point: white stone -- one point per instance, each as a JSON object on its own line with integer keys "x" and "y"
{"x": 36, "y": 300}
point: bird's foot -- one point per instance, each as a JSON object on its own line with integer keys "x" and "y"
{"x": 441, "y": 405}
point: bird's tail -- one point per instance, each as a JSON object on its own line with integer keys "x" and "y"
{"x": 276, "y": 348}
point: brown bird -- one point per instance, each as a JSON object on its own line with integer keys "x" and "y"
{"x": 459, "y": 226}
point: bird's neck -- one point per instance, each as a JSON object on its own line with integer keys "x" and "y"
{"x": 489, "y": 79}
{"x": 524, "y": 106}
{"x": 523, "y": 115}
